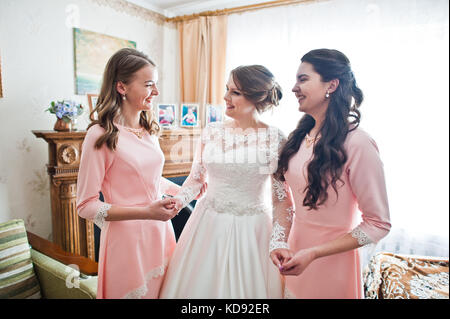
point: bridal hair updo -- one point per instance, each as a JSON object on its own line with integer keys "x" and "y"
{"x": 122, "y": 67}
{"x": 342, "y": 116}
{"x": 258, "y": 85}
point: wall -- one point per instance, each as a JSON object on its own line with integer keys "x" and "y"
{"x": 36, "y": 49}
{"x": 399, "y": 52}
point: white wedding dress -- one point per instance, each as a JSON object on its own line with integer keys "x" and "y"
{"x": 223, "y": 251}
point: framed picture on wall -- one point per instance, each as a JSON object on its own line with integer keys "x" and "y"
{"x": 167, "y": 115}
{"x": 189, "y": 115}
{"x": 214, "y": 113}
{"x": 92, "y": 102}
{"x": 92, "y": 52}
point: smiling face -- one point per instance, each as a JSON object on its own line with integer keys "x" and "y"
{"x": 141, "y": 89}
{"x": 237, "y": 105}
{"x": 310, "y": 90}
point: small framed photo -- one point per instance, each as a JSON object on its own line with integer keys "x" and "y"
{"x": 214, "y": 113}
{"x": 92, "y": 101}
{"x": 167, "y": 115}
{"x": 189, "y": 115}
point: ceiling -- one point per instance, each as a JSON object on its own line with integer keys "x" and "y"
{"x": 173, "y": 8}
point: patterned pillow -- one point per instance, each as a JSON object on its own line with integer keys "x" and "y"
{"x": 394, "y": 276}
{"x": 17, "y": 277}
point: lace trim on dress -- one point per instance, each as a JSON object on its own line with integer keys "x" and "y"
{"x": 280, "y": 190}
{"x": 237, "y": 209}
{"x": 290, "y": 214}
{"x": 102, "y": 213}
{"x": 198, "y": 170}
{"x": 361, "y": 236}
{"x": 185, "y": 195}
{"x": 143, "y": 290}
{"x": 278, "y": 237}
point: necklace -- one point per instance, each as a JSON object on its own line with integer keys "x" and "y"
{"x": 310, "y": 140}
{"x": 139, "y": 132}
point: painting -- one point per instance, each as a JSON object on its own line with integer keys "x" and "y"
{"x": 167, "y": 115}
{"x": 92, "y": 101}
{"x": 214, "y": 113}
{"x": 92, "y": 52}
{"x": 189, "y": 115}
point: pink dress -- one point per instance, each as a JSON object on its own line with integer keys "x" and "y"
{"x": 133, "y": 253}
{"x": 363, "y": 195}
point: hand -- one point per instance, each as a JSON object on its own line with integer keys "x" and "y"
{"x": 298, "y": 263}
{"x": 202, "y": 190}
{"x": 178, "y": 205}
{"x": 162, "y": 209}
{"x": 280, "y": 256}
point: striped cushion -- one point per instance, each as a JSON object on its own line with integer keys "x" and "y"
{"x": 17, "y": 277}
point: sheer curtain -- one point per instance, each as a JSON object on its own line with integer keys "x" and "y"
{"x": 400, "y": 56}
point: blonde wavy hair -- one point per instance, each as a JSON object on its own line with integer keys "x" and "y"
{"x": 122, "y": 67}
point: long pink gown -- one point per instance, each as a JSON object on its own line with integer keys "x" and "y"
{"x": 133, "y": 254}
{"x": 363, "y": 195}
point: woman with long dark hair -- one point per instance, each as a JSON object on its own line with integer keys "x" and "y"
{"x": 333, "y": 170}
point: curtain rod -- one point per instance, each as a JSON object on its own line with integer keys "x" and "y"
{"x": 240, "y": 9}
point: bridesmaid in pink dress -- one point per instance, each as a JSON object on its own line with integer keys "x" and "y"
{"x": 333, "y": 171}
{"x": 121, "y": 158}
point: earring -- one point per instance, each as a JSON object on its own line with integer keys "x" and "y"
{"x": 327, "y": 95}
{"x": 124, "y": 97}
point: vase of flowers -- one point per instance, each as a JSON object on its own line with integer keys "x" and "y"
{"x": 66, "y": 112}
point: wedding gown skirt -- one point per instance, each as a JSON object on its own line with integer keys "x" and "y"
{"x": 223, "y": 254}
{"x": 223, "y": 251}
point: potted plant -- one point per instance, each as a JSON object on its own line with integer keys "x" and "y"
{"x": 66, "y": 112}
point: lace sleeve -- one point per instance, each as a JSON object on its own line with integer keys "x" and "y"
{"x": 283, "y": 208}
{"x": 361, "y": 236}
{"x": 194, "y": 182}
{"x": 283, "y": 211}
{"x": 101, "y": 214}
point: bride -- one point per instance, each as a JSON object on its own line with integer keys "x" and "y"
{"x": 223, "y": 251}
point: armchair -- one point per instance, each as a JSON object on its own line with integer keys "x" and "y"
{"x": 33, "y": 267}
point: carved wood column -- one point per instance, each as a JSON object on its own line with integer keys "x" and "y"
{"x": 73, "y": 233}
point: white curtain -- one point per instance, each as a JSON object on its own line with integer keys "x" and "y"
{"x": 400, "y": 55}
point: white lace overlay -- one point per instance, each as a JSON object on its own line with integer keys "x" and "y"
{"x": 143, "y": 290}
{"x": 280, "y": 189}
{"x": 290, "y": 213}
{"x": 102, "y": 213}
{"x": 186, "y": 195}
{"x": 278, "y": 238}
{"x": 223, "y": 206}
{"x": 361, "y": 236}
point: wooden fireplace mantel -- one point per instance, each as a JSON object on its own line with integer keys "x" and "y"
{"x": 71, "y": 232}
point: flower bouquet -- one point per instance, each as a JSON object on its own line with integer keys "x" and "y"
{"x": 66, "y": 112}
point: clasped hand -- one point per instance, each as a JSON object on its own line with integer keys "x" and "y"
{"x": 290, "y": 264}
{"x": 173, "y": 205}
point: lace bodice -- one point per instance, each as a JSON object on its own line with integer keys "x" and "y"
{"x": 238, "y": 167}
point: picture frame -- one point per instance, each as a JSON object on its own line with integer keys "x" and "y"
{"x": 214, "y": 113}
{"x": 92, "y": 102}
{"x": 190, "y": 115}
{"x": 167, "y": 115}
{"x": 92, "y": 51}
